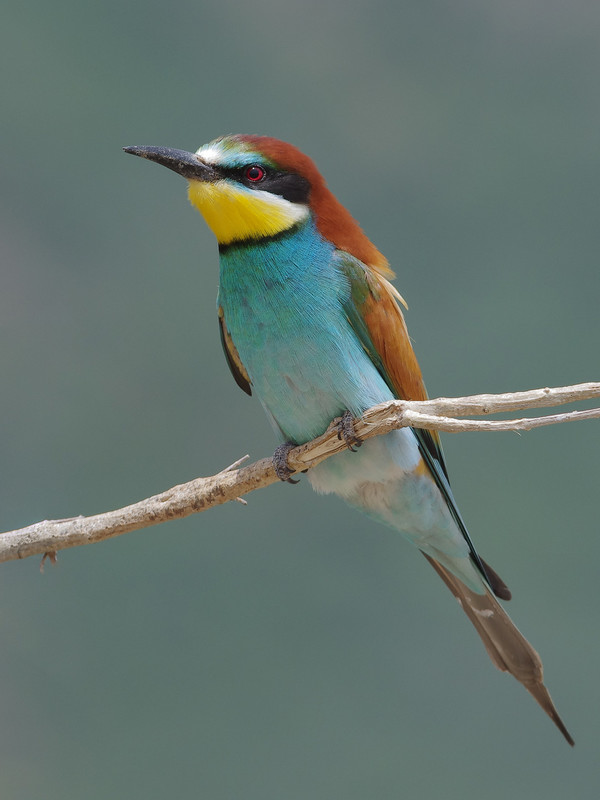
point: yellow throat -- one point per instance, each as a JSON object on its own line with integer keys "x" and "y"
{"x": 235, "y": 213}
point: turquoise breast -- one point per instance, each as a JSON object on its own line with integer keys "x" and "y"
{"x": 283, "y": 303}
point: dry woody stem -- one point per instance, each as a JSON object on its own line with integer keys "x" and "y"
{"x": 47, "y": 537}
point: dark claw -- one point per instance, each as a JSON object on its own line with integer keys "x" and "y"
{"x": 280, "y": 462}
{"x": 347, "y": 432}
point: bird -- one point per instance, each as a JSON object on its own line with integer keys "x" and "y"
{"x": 311, "y": 325}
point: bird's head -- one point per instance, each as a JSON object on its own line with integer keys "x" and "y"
{"x": 251, "y": 188}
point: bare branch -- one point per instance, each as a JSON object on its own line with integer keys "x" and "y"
{"x": 46, "y": 538}
{"x": 483, "y": 404}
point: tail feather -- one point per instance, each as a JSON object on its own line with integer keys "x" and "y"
{"x": 508, "y": 649}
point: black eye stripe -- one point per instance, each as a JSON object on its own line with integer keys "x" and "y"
{"x": 289, "y": 185}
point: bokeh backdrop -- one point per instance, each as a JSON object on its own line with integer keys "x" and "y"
{"x": 292, "y": 649}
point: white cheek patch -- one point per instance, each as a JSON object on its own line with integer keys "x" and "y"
{"x": 291, "y": 212}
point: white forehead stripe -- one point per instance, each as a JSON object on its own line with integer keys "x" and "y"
{"x": 210, "y": 155}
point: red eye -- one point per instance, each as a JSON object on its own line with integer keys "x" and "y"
{"x": 255, "y": 173}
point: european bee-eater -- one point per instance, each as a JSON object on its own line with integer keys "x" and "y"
{"x": 311, "y": 324}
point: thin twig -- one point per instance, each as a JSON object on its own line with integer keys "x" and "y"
{"x": 46, "y": 538}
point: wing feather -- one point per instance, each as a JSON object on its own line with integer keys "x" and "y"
{"x": 374, "y": 311}
{"x": 231, "y": 354}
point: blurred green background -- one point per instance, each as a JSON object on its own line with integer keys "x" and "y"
{"x": 292, "y": 649}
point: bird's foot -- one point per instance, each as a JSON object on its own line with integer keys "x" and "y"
{"x": 280, "y": 462}
{"x": 347, "y": 432}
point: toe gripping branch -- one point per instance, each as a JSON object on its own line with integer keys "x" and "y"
{"x": 347, "y": 432}
{"x": 280, "y": 462}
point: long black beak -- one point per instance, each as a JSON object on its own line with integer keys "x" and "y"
{"x": 186, "y": 164}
